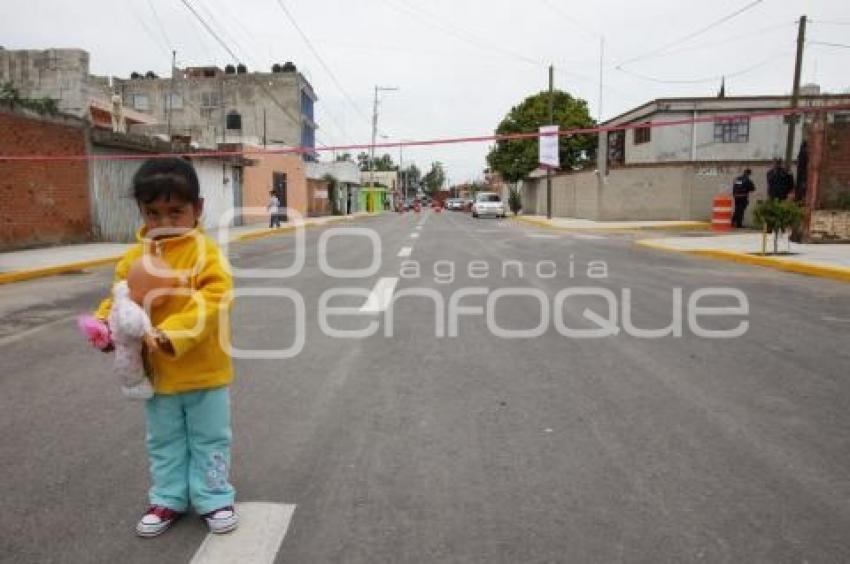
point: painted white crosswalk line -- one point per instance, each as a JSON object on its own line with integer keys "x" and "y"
{"x": 262, "y": 527}
{"x": 380, "y": 296}
{"x": 405, "y": 251}
{"x": 414, "y": 235}
{"x": 586, "y": 236}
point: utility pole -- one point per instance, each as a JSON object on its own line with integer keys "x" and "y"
{"x": 264, "y": 127}
{"x": 795, "y": 92}
{"x": 171, "y": 92}
{"x": 551, "y": 119}
{"x": 375, "y": 131}
{"x": 402, "y": 185}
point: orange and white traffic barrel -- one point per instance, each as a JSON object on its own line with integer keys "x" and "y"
{"x": 721, "y": 213}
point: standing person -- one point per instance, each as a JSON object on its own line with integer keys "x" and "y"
{"x": 779, "y": 181}
{"x": 188, "y": 418}
{"x": 274, "y": 210}
{"x": 741, "y": 188}
{"x": 802, "y": 172}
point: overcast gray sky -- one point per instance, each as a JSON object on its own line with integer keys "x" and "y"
{"x": 460, "y": 64}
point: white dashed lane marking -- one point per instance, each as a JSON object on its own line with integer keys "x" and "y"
{"x": 380, "y": 296}
{"x": 414, "y": 235}
{"x": 262, "y": 527}
{"x": 405, "y": 251}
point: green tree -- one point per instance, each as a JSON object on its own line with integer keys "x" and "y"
{"x": 333, "y": 192}
{"x": 514, "y": 159}
{"x": 410, "y": 178}
{"x": 382, "y": 163}
{"x": 434, "y": 178}
{"x": 777, "y": 216}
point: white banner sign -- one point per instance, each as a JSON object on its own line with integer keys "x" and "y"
{"x": 549, "y": 146}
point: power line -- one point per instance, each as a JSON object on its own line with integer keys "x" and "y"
{"x": 262, "y": 85}
{"x": 463, "y": 35}
{"x": 579, "y": 25}
{"x": 828, "y": 44}
{"x": 211, "y": 31}
{"x": 159, "y": 24}
{"x": 223, "y": 32}
{"x": 693, "y": 34}
{"x": 829, "y": 22}
{"x": 156, "y": 40}
{"x": 730, "y": 39}
{"x": 224, "y": 45}
{"x": 706, "y": 79}
{"x": 321, "y": 60}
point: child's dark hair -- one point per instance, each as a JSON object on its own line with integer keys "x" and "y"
{"x": 166, "y": 178}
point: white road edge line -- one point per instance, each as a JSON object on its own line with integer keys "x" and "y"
{"x": 380, "y": 296}
{"x": 262, "y": 526}
{"x": 405, "y": 251}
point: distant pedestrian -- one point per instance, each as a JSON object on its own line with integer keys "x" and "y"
{"x": 802, "y": 172}
{"x": 741, "y": 188}
{"x": 779, "y": 181}
{"x": 274, "y": 210}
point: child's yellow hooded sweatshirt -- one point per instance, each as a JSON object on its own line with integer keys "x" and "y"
{"x": 196, "y": 319}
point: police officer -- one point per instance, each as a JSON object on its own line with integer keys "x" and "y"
{"x": 779, "y": 181}
{"x": 741, "y": 188}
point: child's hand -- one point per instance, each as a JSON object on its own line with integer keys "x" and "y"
{"x": 156, "y": 340}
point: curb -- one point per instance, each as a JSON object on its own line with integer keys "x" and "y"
{"x": 269, "y": 232}
{"x": 30, "y": 274}
{"x": 680, "y": 226}
{"x": 798, "y": 267}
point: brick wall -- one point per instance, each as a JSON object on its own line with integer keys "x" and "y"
{"x": 835, "y": 166}
{"x": 42, "y": 202}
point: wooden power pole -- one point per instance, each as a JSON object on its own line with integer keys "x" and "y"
{"x": 795, "y": 92}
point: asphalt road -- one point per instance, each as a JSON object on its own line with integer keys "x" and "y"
{"x": 467, "y": 448}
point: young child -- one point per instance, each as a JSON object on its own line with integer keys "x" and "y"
{"x": 188, "y": 418}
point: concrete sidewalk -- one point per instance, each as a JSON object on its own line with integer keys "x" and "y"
{"x": 16, "y": 266}
{"x": 571, "y": 224}
{"x": 823, "y": 260}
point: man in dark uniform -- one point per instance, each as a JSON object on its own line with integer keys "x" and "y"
{"x": 779, "y": 181}
{"x": 802, "y": 172}
{"x": 741, "y": 188}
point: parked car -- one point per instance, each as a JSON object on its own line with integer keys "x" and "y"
{"x": 488, "y": 203}
{"x": 455, "y": 204}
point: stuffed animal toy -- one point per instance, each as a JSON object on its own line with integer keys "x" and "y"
{"x": 129, "y": 322}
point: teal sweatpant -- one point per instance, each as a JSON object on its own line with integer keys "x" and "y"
{"x": 188, "y": 442}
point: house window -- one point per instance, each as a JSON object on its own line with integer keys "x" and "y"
{"x": 210, "y": 99}
{"x": 735, "y": 130}
{"x": 176, "y": 102}
{"x": 141, "y": 102}
{"x": 642, "y": 135}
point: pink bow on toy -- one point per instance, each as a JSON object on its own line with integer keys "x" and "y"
{"x": 96, "y": 330}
